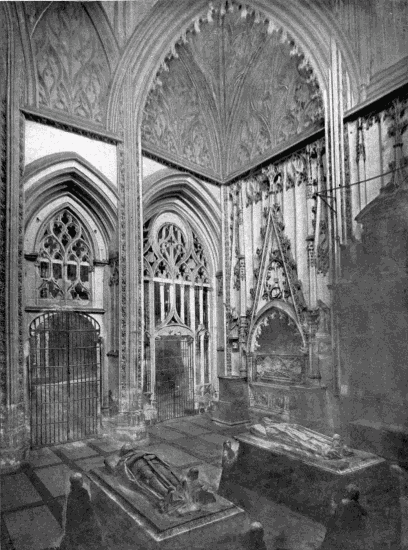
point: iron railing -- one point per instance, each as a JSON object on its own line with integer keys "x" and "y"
{"x": 64, "y": 377}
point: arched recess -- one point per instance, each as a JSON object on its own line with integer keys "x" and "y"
{"x": 182, "y": 204}
{"x": 187, "y": 196}
{"x": 278, "y": 356}
{"x": 166, "y": 23}
{"x": 67, "y": 182}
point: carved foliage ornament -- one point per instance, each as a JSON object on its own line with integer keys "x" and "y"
{"x": 174, "y": 120}
{"x": 72, "y": 68}
{"x": 281, "y": 100}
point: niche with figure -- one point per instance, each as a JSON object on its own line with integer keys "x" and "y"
{"x": 277, "y": 349}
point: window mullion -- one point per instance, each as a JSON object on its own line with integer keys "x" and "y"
{"x": 162, "y": 312}
{"x": 182, "y": 303}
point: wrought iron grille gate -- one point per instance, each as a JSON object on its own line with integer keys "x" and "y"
{"x": 174, "y": 376}
{"x": 64, "y": 377}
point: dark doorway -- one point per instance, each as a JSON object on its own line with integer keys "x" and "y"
{"x": 64, "y": 377}
{"x": 174, "y": 377}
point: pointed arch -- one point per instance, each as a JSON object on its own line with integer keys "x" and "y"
{"x": 189, "y": 198}
{"x": 67, "y": 178}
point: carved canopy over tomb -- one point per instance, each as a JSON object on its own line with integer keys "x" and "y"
{"x": 236, "y": 89}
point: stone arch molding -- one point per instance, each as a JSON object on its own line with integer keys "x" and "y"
{"x": 68, "y": 180}
{"x": 286, "y": 308}
{"x": 168, "y": 25}
{"x": 189, "y": 200}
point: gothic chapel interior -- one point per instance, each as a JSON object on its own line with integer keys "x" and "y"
{"x": 203, "y": 209}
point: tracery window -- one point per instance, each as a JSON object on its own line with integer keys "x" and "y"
{"x": 177, "y": 289}
{"x": 64, "y": 260}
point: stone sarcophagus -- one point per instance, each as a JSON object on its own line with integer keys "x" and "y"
{"x": 306, "y": 470}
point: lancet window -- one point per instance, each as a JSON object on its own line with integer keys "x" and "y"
{"x": 64, "y": 260}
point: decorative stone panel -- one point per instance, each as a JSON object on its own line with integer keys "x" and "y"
{"x": 72, "y": 68}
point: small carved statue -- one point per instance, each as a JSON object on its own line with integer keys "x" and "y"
{"x": 347, "y": 527}
{"x": 82, "y": 528}
{"x": 254, "y": 539}
{"x": 195, "y": 492}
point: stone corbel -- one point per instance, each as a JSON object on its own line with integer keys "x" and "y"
{"x": 98, "y": 263}
{"x": 31, "y": 256}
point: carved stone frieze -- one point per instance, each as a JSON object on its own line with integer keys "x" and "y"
{"x": 72, "y": 68}
{"x": 281, "y": 100}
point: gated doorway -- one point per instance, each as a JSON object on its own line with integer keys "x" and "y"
{"x": 64, "y": 377}
{"x": 174, "y": 376}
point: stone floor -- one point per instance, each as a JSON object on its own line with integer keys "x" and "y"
{"x": 32, "y": 499}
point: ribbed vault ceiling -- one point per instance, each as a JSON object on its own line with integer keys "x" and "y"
{"x": 235, "y": 90}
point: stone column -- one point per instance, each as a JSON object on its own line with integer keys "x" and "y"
{"x": 131, "y": 423}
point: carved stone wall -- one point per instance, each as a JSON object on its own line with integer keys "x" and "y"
{"x": 175, "y": 121}
{"x": 277, "y": 250}
{"x": 380, "y": 47}
{"x": 71, "y": 65}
